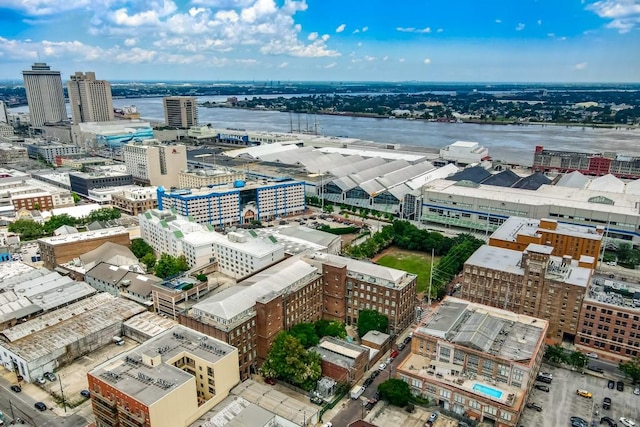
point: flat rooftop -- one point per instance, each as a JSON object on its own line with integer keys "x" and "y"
{"x": 88, "y": 235}
{"x": 515, "y": 226}
{"x": 339, "y": 352}
{"x": 150, "y": 324}
{"x": 234, "y": 411}
{"x": 148, "y": 384}
{"x": 501, "y": 333}
{"x": 229, "y": 188}
{"x": 615, "y": 293}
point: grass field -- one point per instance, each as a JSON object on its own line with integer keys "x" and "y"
{"x": 414, "y": 262}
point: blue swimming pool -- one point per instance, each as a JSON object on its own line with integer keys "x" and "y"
{"x": 489, "y": 391}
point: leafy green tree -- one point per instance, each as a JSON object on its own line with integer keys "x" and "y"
{"x": 76, "y": 198}
{"x": 555, "y": 353}
{"x": 395, "y": 391}
{"x": 182, "y": 264}
{"x": 169, "y": 266}
{"x": 631, "y": 369}
{"x": 578, "y": 359}
{"x": 57, "y": 221}
{"x": 149, "y": 260}
{"x": 103, "y": 214}
{"x": 289, "y": 361}
{"x": 26, "y": 228}
{"x": 140, "y": 248}
{"x": 333, "y": 328}
{"x": 371, "y": 320}
{"x": 305, "y": 333}
{"x": 201, "y": 277}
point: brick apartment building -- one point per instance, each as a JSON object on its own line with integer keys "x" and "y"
{"x": 341, "y": 360}
{"x": 530, "y": 282}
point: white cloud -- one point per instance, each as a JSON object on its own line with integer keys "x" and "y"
{"x": 520, "y": 27}
{"x": 427, "y": 61}
{"x": 365, "y": 29}
{"x": 551, "y": 34}
{"x": 333, "y": 64}
{"x": 369, "y": 58}
{"x": 359, "y": 44}
{"x": 356, "y": 31}
{"x": 624, "y": 14}
{"x": 440, "y": 30}
{"x": 581, "y": 66}
{"x": 247, "y": 61}
{"x": 283, "y": 65}
{"x": 498, "y": 21}
{"x": 312, "y": 36}
{"x": 131, "y": 41}
{"x": 341, "y": 28}
{"x": 539, "y": 21}
{"x": 424, "y": 30}
{"x": 44, "y": 7}
{"x": 325, "y": 37}
{"x": 385, "y": 58}
{"x": 401, "y": 60}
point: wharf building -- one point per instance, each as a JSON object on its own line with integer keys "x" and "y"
{"x": 152, "y": 163}
{"x": 168, "y": 381}
{"x": 530, "y": 282}
{"x": 476, "y": 361}
{"x": 110, "y": 136}
{"x": 593, "y": 164}
{"x": 45, "y": 95}
{"x": 180, "y": 111}
{"x": 610, "y": 320}
{"x": 90, "y": 99}
{"x": 581, "y": 243}
{"x": 240, "y": 203}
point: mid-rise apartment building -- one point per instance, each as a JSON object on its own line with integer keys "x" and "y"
{"x": 49, "y": 152}
{"x": 90, "y": 99}
{"x": 530, "y": 282}
{"x": 209, "y": 177}
{"x": 240, "y": 203}
{"x": 18, "y": 192}
{"x": 580, "y": 242}
{"x": 610, "y": 320}
{"x": 180, "y": 111}
{"x": 169, "y": 381}
{"x": 44, "y": 94}
{"x": 82, "y": 182}
{"x": 477, "y": 361}
{"x": 58, "y": 250}
{"x": 152, "y": 163}
{"x": 134, "y": 201}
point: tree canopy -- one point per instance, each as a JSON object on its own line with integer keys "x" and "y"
{"x": 26, "y": 228}
{"x": 395, "y": 391}
{"x": 330, "y": 328}
{"x": 305, "y": 333}
{"x": 57, "y": 221}
{"x": 288, "y": 360}
{"x": 371, "y": 320}
{"x": 169, "y": 266}
{"x": 103, "y": 214}
{"x": 631, "y": 369}
{"x": 140, "y": 248}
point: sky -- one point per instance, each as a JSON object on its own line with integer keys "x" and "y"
{"x": 326, "y": 40}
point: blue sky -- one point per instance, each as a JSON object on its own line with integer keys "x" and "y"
{"x": 341, "y": 40}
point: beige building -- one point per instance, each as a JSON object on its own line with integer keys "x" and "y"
{"x": 180, "y": 111}
{"x": 10, "y": 153}
{"x": 44, "y": 94}
{"x": 206, "y": 177}
{"x": 169, "y": 381}
{"x": 134, "y": 201}
{"x": 90, "y": 99}
{"x": 152, "y": 163}
{"x": 477, "y": 361}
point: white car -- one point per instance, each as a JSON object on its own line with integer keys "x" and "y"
{"x": 592, "y": 355}
{"x": 627, "y": 422}
{"x": 382, "y": 366}
{"x": 636, "y": 391}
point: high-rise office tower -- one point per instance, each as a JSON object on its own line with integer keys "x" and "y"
{"x": 4, "y": 117}
{"x": 44, "y": 94}
{"x": 180, "y": 111}
{"x": 90, "y": 99}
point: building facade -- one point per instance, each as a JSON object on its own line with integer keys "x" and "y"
{"x": 341, "y": 360}
{"x": 12, "y": 154}
{"x": 594, "y": 164}
{"x": 134, "y": 201}
{"x": 62, "y": 249}
{"x": 90, "y": 99}
{"x": 152, "y": 163}
{"x": 179, "y": 368}
{"x": 581, "y": 243}
{"x": 477, "y": 361}
{"x": 44, "y": 94}
{"x": 530, "y": 282}
{"x": 209, "y": 177}
{"x": 82, "y": 182}
{"x": 180, "y": 111}
{"x": 241, "y": 203}
{"x": 51, "y": 151}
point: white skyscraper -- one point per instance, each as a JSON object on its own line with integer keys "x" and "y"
{"x": 3, "y": 113}
{"x": 44, "y": 94}
{"x": 90, "y": 99}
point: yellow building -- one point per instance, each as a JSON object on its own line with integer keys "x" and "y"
{"x": 580, "y": 242}
{"x": 169, "y": 381}
{"x": 206, "y": 177}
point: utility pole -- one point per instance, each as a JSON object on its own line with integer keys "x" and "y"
{"x": 64, "y": 403}
{"x": 431, "y": 276}
{"x": 11, "y": 410}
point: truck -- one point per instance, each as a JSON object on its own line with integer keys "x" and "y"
{"x": 118, "y": 340}
{"x": 356, "y": 392}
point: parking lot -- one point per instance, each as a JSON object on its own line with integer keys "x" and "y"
{"x": 562, "y": 402}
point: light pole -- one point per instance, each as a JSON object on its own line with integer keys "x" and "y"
{"x": 64, "y": 403}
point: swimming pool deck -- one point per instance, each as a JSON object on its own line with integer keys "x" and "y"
{"x": 419, "y": 366}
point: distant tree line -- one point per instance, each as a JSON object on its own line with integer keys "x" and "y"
{"x": 29, "y": 229}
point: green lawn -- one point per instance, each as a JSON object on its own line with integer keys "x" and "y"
{"x": 413, "y": 262}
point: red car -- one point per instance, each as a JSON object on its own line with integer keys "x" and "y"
{"x": 394, "y": 354}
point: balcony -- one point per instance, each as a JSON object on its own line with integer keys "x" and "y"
{"x": 130, "y": 419}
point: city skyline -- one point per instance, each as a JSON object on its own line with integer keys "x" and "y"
{"x": 465, "y": 41}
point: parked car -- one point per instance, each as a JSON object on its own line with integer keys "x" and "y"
{"x": 545, "y": 374}
{"x": 316, "y": 400}
{"x": 433, "y": 417}
{"x": 401, "y": 346}
{"x": 368, "y": 382}
{"x": 376, "y": 395}
{"x": 584, "y": 393}
{"x": 382, "y": 366}
{"x": 542, "y": 387}
{"x": 609, "y": 420}
{"x": 534, "y": 406}
{"x": 50, "y": 376}
{"x": 85, "y": 393}
{"x": 579, "y": 422}
{"x": 41, "y": 380}
{"x": 16, "y": 388}
{"x": 388, "y": 360}
{"x": 627, "y": 422}
{"x": 407, "y": 340}
{"x": 40, "y": 406}
{"x": 606, "y": 403}
{"x": 592, "y": 355}
{"x": 375, "y": 374}
{"x": 394, "y": 354}
{"x": 543, "y": 379}
{"x": 636, "y": 391}
{"x": 620, "y": 386}
{"x": 597, "y": 369}
{"x": 611, "y": 384}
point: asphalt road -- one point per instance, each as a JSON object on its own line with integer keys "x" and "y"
{"x": 354, "y": 409}
{"x": 20, "y": 405}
